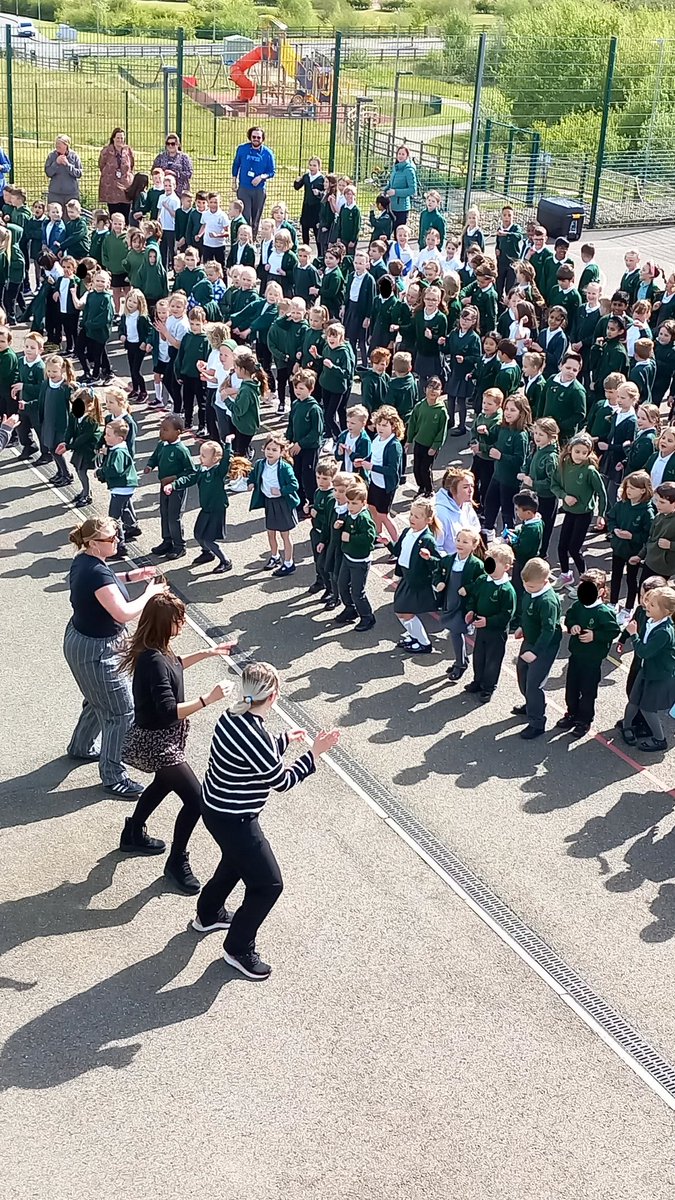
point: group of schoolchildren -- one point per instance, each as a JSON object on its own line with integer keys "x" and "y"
{"x": 566, "y": 390}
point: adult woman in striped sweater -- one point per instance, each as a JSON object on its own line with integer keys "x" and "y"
{"x": 245, "y": 763}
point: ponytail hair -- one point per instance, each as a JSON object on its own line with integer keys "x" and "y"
{"x": 249, "y": 363}
{"x": 258, "y": 682}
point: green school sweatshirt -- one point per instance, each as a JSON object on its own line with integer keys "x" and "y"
{"x": 508, "y": 379}
{"x": 540, "y": 621}
{"x": 512, "y": 444}
{"x": 362, "y": 535}
{"x": 661, "y": 562}
{"x": 601, "y": 620}
{"x": 657, "y": 653}
{"x": 494, "y": 601}
{"x": 472, "y": 571}
{"x": 637, "y": 519}
{"x": 82, "y": 437}
{"x": 285, "y": 339}
{"x": 117, "y": 469}
{"x": 402, "y": 394}
{"x": 305, "y": 424}
{"x": 428, "y": 424}
{"x": 172, "y": 460}
{"x": 114, "y": 252}
{"x": 75, "y": 241}
{"x": 541, "y": 467}
{"x": 246, "y": 408}
{"x": 98, "y": 315}
{"x": 194, "y": 348}
{"x": 566, "y": 403}
{"x": 210, "y": 483}
{"x": 323, "y": 504}
{"x": 338, "y": 377}
{"x": 583, "y": 481}
{"x": 485, "y": 441}
{"x": 9, "y": 371}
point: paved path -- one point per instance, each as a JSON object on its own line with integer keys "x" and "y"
{"x": 399, "y": 1044}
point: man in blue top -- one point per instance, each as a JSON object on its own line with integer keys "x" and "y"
{"x": 253, "y": 165}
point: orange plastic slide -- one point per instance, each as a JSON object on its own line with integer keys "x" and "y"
{"x": 240, "y": 78}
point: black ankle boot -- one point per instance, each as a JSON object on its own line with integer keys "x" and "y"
{"x": 177, "y": 867}
{"x": 136, "y": 840}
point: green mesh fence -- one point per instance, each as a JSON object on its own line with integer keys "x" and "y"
{"x": 538, "y": 126}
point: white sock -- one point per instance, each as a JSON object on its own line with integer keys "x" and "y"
{"x": 158, "y": 389}
{"x": 288, "y": 562}
{"x": 418, "y": 631}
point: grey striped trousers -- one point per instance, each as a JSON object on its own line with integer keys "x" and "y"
{"x": 108, "y": 706}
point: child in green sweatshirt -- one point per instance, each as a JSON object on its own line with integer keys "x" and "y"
{"x": 119, "y": 473}
{"x": 592, "y": 627}
{"x": 172, "y": 459}
{"x": 540, "y": 634}
{"x": 194, "y": 348}
{"x": 305, "y": 433}
{"x": 579, "y": 484}
{"x": 427, "y": 430}
{"x": 525, "y": 541}
{"x": 358, "y": 536}
{"x": 97, "y": 322}
{"x": 210, "y": 478}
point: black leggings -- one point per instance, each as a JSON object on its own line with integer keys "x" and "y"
{"x": 97, "y": 355}
{"x": 423, "y": 462}
{"x": 572, "y": 534}
{"x": 193, "y": 389}
{"x": 548, "y": 508}
{"x": 283, "y": 379}
{"x": 182, "y": 780}
{"x": 241, "y": 443}
{"x": 632, "y": 572}
{"x": 498, "y": 496}
{"x": 266, "y": 361}
{"x": 309, "y": 224}
{"x": 335, "y": 412}
{"x": 136, "y": 356}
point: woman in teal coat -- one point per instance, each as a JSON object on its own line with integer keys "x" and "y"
{"x": 402, "y": 186}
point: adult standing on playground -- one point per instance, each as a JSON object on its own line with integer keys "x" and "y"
{"x": 92, "y": 645}
{"x": 402, "y": 186}
{"x": 174, "y": 159}
{"x": 253, "y": 165}
{"x": 116, "y": 164}
{"x": 245, "y": 763}
{"x": 63, "y": 168}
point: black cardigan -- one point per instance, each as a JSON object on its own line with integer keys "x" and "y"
{"x": 158, "y": 690}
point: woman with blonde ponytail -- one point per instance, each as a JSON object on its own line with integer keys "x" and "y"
{"x": 245, "y": 764}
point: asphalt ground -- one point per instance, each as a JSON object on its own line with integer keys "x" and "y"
{"x": 399, "y": 1049}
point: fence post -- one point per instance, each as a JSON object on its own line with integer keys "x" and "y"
{"x": 179, "y": 83}
{"x": 10, "y": 101}
{"x": 602, "y": 140}
{"x": 485, "y": 167}
{"x": 475, "y": 118}
{"x": 532, "y": 171}
{"x": 126, "y": 114}
{"x": 37, "y": 115}
{"x": 508, "y": 165}
{"x": 337, "y": 56}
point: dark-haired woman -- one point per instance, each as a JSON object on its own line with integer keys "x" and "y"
{"x": 156, "y": 742}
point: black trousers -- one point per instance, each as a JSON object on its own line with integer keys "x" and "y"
{"x": 171, "y": 383}
{"x": 356, "y": 334}
{"x": 581, "y": 688}
{"x": 488, "y": 656}
{"x": 11, "y": 296}
{"x": 457, "y": 404}
{"x": 335, "y": 412}
{"x": 171, "y": 509}
{"x": 632, "y": 572}
{"x": 135, "y": 356}
{"x": 69, "y": 327}
{"x": 266, "y": 361}
{"x": 210, "y": 415}
{"x": 246, "y": 856}
{"x": 182, "y": 780}
{"x": 241, "y": 443}
{"x": 96, "y": 353}
{"x": 423, "y": 461}
{"x": 572, "y": 534}
{"x": 26, "y": 431}
{"x": 498, "y": 496}
{"x": 283, "y": 381}
{"x": 482, "y": 469}
{"x": 166, "y": 247}
{"x": 506, "y": 277}
{"x": 548, "y": 510}
{"x": 214, "y": 254}
{"x": 309, "y": 223}
{"x": 193, "y": 390}
{"x": 253, "y": 200}
{"x": 304, "y": 465}
{"x": 320, "y": 559}
{"x": 352, "y": 586}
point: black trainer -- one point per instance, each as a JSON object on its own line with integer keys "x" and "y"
{"x": 519, "y": 710}
{"x": 223, "y": 920}
{"x": 315, "y": 587}
{"x": 364, "y": 624}
{"x": 202, "y": 558}
{"x": 249, "y": 964}
{"x": 566, "y": 722}
{"x": 163, "y": 548}
{"x": 135, "y": 840}
{"x": 177, "y": 867}
{"x": 174, "y": 554}
{"x": 472, "y": 687}
{"x": 347, "y": 615}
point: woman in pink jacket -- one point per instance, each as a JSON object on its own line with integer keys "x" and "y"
{"x": 116, "y": 164}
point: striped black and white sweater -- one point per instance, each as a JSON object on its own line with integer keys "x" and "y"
{"x": 246, "y": 763}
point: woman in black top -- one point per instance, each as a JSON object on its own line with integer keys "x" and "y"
{"x": 245, "y": 763}
{"x": 92, "y": 644}
{"x": 314, "y": 186}
{"x": 156, "y": 742}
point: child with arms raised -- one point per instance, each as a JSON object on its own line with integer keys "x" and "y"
{"x": 416, "y": 556}
{"x": 210, "y": 478}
